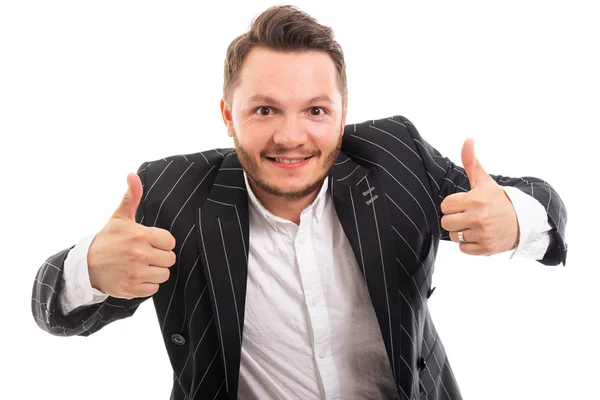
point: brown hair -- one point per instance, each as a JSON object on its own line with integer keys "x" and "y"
{"x": 283, "y": 28}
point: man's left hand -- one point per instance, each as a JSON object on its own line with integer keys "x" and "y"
{"x": 485, "y": 214}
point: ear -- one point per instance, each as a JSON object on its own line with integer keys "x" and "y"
{"x": 226, "y": 114}
{"x": 344, "y": 111}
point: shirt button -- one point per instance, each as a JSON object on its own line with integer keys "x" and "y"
{"x": 79, "y": 292}
{"x": 315, "y": 301}
{"x": 323, "y": 353}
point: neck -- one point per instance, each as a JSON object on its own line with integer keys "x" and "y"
{"x": 289, "y": 209}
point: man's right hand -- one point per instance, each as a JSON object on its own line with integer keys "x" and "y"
{"x": 127, "y": 259}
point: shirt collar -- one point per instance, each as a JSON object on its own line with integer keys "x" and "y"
{"x": 315, "y": 209}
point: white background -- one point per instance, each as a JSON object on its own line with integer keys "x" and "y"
{"x": 90, "y": 90}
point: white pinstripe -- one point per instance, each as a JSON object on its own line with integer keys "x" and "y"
{"x": 220, "y": 202}
{"x": 185, "y": 291}
{"x": 207, "y": 368}
{"x": 409, "y": 246}
{"x": 52, "y": 265}
{"x": 163, "y": 201}
{"x": 416, "y": 322}
{"x": 230, "y": 187}
{"x": 399, "y": 123}
{"x": 202, "y": 153}
{"x": 214, "y": 297}
{"x": 433, "y": 180}
{"x": 45, "y": 284}
{"x": 429, "y": 154}
{"x": 362, "y": 259}
{"x": 241, "y": 234}
{"x": 237, "y": 315}
{"x": 162, "y": 328}
{"x": 350, "y": 174}
{"x": 455, "y": 185}
{"x": 405, "y": 145}
{"x": 189, "y": 197}
{"x": 411, "y": 339}
{"x": 406, "y": 215}
{"x": 559, "y": 219}
{"x": 387, "y": 300}
{"x": 197, "y": 345}
{"x": 219, "y": 391}
{"x": 114, "y": 305}
{"x": 154, "y": 183}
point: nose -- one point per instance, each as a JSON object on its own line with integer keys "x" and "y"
{"x": 290, "y": 134}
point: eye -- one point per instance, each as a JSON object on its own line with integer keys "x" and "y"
{"x": 264, "y": 111}
{"x": 317, "y": 111}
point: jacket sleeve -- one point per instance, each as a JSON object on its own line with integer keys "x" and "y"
{"x": 85, "y": 320}
{"x": 447, "y": 178}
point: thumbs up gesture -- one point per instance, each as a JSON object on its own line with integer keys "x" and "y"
{"x": 483, "y": 216}
{"x": 127, "y": 259}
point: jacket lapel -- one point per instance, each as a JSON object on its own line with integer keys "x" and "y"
{"x": 223, "y": 233}
{"x": 360, "y": 203}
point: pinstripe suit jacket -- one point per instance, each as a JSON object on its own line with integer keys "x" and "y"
{"x": 387, "y": 186}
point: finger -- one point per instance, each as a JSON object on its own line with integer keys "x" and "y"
{"x": 131, "y": 199}
{"x": 153, "y": 274}
{"x": 160, "y": 238}
{"x": 473, "y": 168}
{"x": 469, "y": 235}
{"x": 455, "y": 203}
{"x": 147, "y": 289}
{"x": 473, "y": 249}
{"x": 160, "y": 258}
{"x": 455, "y": 222}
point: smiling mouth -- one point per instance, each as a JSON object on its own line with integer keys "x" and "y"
{"x": 288, "y": 160}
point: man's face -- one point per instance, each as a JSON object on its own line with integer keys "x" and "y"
{"x": 286, "y": 120}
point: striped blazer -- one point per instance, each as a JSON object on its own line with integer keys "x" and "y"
{"x": 387, "y": 186}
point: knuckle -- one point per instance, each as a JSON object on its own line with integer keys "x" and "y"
{"x": 478, "y": 200}
{"x": 478, "y": 220}
{"x": 132, "y": 274}
{"x": 137, "y": 254}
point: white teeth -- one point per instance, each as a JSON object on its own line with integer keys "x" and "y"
{"x": 288, "y": 161}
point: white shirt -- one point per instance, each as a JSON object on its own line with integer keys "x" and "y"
{"x": 309, "y": 328}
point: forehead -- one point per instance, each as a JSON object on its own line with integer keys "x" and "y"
{"x": 288, "y": 74}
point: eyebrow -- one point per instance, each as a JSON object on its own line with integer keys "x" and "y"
{"x": 259, "y": 98}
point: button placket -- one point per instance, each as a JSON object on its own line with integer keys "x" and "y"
{"x": 319, "y": 320}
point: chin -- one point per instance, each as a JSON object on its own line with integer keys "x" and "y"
{"x": 289, "y": 191}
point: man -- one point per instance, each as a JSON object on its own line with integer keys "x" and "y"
{"x": 299, "y": 264}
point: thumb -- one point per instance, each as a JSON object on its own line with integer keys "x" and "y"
{"x": 475, "y": 171}
{"x": 132, "y": 198}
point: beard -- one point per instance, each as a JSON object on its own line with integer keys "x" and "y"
{"x": 250, "y": 165}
